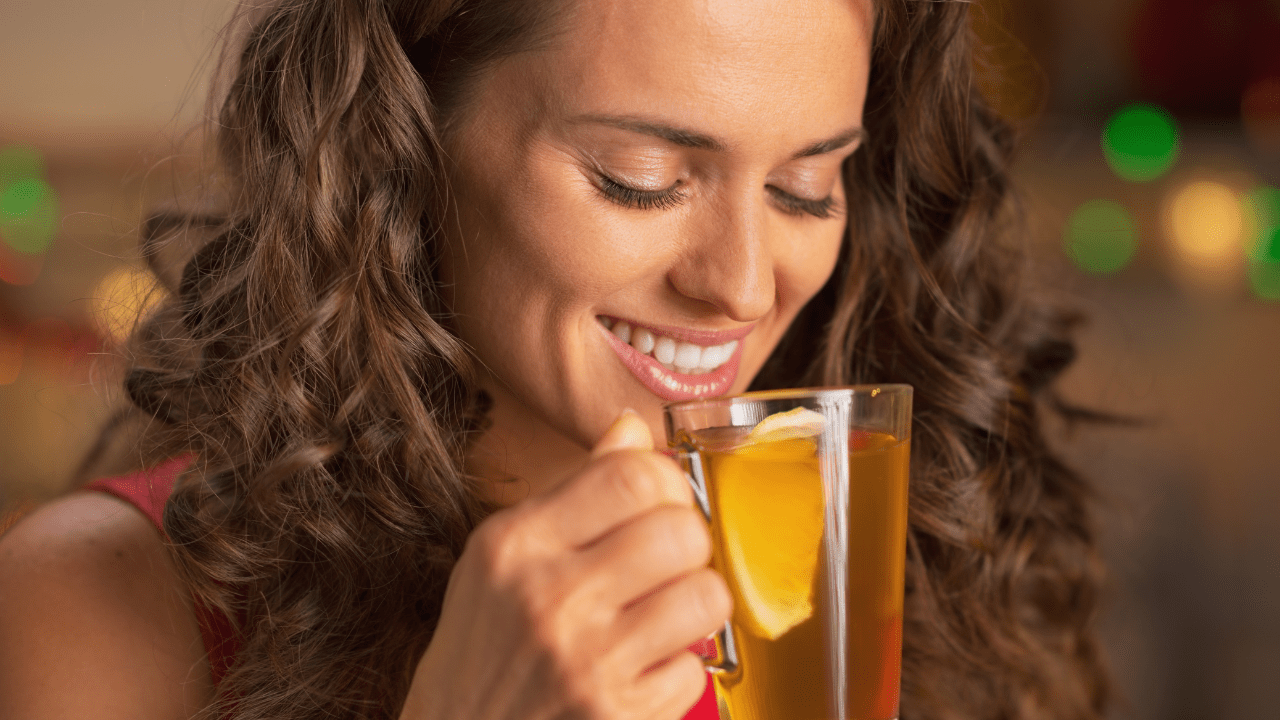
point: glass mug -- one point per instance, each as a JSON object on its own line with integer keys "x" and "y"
{"x": 805, "y": 492}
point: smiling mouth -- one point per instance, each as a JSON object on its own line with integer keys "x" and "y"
{"x": 678, "y": 356}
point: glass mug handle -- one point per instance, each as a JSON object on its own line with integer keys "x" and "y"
{"x": 725, "y": 654}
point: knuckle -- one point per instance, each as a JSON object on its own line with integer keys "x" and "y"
{"x": 494, "y": 541}
{"x": 671, "y": 479}
{"x": 645, "y": 479}
{"x": 676, "y": 539}
{"x": 692, "y": 537}
{"x": 508, "y": 563}
{"x": 709, "y": 597}
{"x": 634, "y": 480}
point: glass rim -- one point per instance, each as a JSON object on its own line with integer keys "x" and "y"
{"x": 869, "y": 389}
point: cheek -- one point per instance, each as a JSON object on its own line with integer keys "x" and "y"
{"x": 808, "y": 267}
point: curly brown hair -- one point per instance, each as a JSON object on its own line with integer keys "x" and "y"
{"x": 306, "y": 359}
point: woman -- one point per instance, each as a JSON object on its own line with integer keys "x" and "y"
{"x": 456, "y": 241}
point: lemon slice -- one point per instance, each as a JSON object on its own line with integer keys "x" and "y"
{"x": 770, "y": 504}
{"x": 795, "y": 423}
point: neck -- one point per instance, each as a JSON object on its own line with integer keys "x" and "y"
{"x": 520, "y": 456}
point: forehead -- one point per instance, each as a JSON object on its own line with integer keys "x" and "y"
{"x": 733, "y": 66}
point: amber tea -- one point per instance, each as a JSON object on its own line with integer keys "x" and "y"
{"x": 815, "y": 563}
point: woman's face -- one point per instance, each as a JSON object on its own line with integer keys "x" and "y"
{"x": 644, "y": 207}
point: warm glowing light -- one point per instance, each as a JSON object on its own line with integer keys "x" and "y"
{"x": 1140, "y": 142}
{"x": 1101, "y": 237}
{"x": 1206, "y": 223}
{"x": 121, "y": 298}
{"x": 1260, "y": 111}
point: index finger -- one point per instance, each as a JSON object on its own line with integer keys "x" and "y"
{"x": 610, "y": 491}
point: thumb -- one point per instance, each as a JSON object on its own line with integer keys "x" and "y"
{"x": 628, "y": 432}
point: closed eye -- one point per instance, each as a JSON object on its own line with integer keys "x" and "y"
{"x": 790, "y": 204}
{"x": 637, "y": 199}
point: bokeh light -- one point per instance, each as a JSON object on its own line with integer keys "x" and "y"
{"x": 1262, "y": 221}
{"x": 1260, "y": 112}
{"x": 1101, "y": 237}
{"x": 1140, "y": 142}
{"x": 20, "y": 198}
{"x": 120, "y": 298}
{"x": 1264, "y": 279}
{"x": 1206, "y": 223}
{"x": 1262, "y": 217}
{"x": 28, "y": 205}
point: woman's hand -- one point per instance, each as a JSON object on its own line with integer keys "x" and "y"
{"x": 580, "y": 603}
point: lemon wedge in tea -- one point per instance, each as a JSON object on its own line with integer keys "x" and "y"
{"x": 769, "y": 498}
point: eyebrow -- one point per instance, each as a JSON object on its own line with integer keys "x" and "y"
{"x": 822, "y": 147}
{"x": 699, "y": 141}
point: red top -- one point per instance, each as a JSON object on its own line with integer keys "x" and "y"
{"x": 149, "y": 489}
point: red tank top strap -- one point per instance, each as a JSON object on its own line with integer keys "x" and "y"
{"x": 148, "y": 490}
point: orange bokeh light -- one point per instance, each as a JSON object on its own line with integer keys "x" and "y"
{"x": 121, "y": 298}
{"x": 1205, "y": 221}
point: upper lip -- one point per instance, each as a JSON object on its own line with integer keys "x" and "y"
{"x": 705, "y": 338}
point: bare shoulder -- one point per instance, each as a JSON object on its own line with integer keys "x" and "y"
{"x": 94, "y": 622}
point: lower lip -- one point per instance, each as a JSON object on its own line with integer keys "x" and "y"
{"x": 674, "y": 386}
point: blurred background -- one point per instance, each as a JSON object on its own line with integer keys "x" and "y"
{"x": 1150, "y": 165}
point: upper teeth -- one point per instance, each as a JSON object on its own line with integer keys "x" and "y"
{"x": 682, "y": 357}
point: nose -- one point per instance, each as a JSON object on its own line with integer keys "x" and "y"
{"x": 727, "y": 261}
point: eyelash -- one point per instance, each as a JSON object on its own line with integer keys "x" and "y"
{"x": 792, "y": 205}
{"x": 630, "y": 197}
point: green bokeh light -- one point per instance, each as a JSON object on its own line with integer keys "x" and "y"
{"x": 1140, "y": 142}
{"x": 28, "y": 205}
{"x": 1268, "y": 249}
{"x": 1101, "y": 237}
{"x": 22, "y": 197}
{"x": 1263, "y": 209}
{"x": 1265, "y": 279}
{"x": 28, "y": 216}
